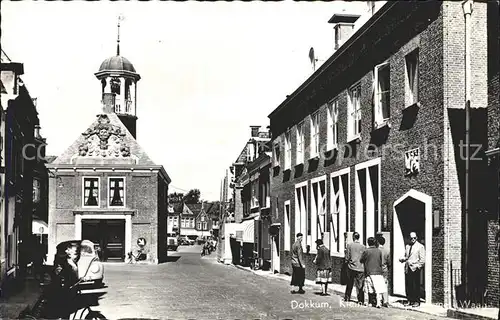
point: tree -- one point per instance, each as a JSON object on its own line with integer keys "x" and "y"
{"x": 175, "y": 197}
{"x": 193, "y": 196}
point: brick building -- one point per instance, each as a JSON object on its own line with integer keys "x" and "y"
{"x": 23, "y": 176}
{"x": 372, "y": 142}
{"x": 493, "y": 152}
{"x": 104, "y": 187}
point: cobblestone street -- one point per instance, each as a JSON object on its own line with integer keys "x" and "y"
{"x": 191, "y": 287}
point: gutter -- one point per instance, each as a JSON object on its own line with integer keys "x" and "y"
{"x": 361, "y": 31}
{"x": 467, "y": 8}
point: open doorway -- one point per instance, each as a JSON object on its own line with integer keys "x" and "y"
{"x": 412, "y": 213}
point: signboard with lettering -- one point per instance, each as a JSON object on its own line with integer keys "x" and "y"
{"x": 412, "y": 162}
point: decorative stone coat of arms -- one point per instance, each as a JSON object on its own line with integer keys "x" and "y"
{"x": 104, "y": 139}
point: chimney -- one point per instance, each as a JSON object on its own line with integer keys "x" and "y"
{"x": 108, "y": 102}
{"x": 255, "y": 131}
{"x": 343, "y": 25}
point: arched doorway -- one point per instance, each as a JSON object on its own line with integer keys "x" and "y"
{"x": 412, "y": 213}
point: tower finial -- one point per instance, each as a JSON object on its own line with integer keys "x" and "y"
{"x": 120, "y": 18}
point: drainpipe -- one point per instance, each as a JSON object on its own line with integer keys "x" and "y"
{"x": 467, "y": 7}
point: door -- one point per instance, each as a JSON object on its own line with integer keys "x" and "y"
{"x": 409, "y": 216}
{"x": 109, "y": 237}
{"x": 276, "y": 253}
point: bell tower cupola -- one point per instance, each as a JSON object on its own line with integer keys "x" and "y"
{"x": 119, "y": 87}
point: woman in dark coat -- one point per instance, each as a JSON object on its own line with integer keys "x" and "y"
{"x": 322, "y": 261}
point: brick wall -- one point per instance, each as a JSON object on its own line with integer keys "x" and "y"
{"x": 493, "y": 142}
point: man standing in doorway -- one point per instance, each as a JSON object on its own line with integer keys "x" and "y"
{"x": 414, "y": 260}
{"x": 355, "y": 269}
{"x": 298, "y": 266}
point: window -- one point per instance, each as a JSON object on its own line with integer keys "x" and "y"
{"x": 354, "y": 113}
{"x": 191, "y": 222}
{"x": 333, "y": 129}
{"x": 91, "y": 192}
{"x": 300, "y": 144}
{"x": 116, "y": 192}
{"x": 288, "y": 151}
{"x": 276, "y": 154}
{"x": 367, "y": 186}
{"x": 36, "y": 190}
{"x": 287, "y": 237}
{"x": 204, "y": 226}
{"x": 314, "y": 135}
{"x": 382, "y": 94}
{"x": 339, "y": 208}
{"x": 199, "y": 225}
{"x": 411, "y": 83}
{"x": 301, "y": 215}
{"x": 318, "y": 211}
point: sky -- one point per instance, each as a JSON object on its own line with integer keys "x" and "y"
{"x": 208, "y": 71}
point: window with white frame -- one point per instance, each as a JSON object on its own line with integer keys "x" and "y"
{"x": 287, "y": 238}
{"x": 318, "y": 211}
{"x": 333, "y": 128}
{"x": 382, "y": 94}
{"x": 339, "y": 208}
{"x": 314, "y": 134}
{"x": 411, "y": 83}
{"x": 204, "y": 226}
{"x": 301, "y": 214}
{"x": 300, "y": 147}
{"x": 288, "y": 150}
{"x": 199, "y": 225}
{"x": 276, "y": 154}
{"x": 91, "y": 192}
{"x": 367, "y": 187}
{"x": 354, "y": 112}
{"x": 116, "y": 192}
{"x": 191, "y": 222}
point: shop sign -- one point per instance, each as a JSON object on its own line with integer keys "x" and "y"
{"x": 412, "y": 162}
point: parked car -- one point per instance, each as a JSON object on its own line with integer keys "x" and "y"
{"x": 172, "y": 243}
{"x": 184, "y": 240}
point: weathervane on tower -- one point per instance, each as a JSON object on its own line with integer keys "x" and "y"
{"x": 120, "y": 18}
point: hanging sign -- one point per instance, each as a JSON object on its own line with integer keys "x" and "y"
{"x": 412, "y": 162}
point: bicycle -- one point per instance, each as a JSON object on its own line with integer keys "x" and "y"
{"x": 131, "y": 259}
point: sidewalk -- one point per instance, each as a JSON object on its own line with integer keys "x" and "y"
{"x": 395, "y": 302}
{"x": 23, "y": 299}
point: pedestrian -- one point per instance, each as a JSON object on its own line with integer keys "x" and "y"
{"x": 374, "y": 280}
{"x": 386, "y": 262}
{"x": 298, "y": 266}
{"x": 324, "y": 272}
{"x": 355, "y": 269}
{"x": 39, "y": 258}
{"x": 414, "y": 260}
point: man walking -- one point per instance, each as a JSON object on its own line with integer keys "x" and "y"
{"x": 414, "y": 260}
{"x": 355, "y": 268}
{"x": 298, "y": 266}
{"x": 386, "y": 261}
{"x": 374, "y": 281}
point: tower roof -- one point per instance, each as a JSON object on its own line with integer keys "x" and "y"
{"x": 117, "y": 63}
